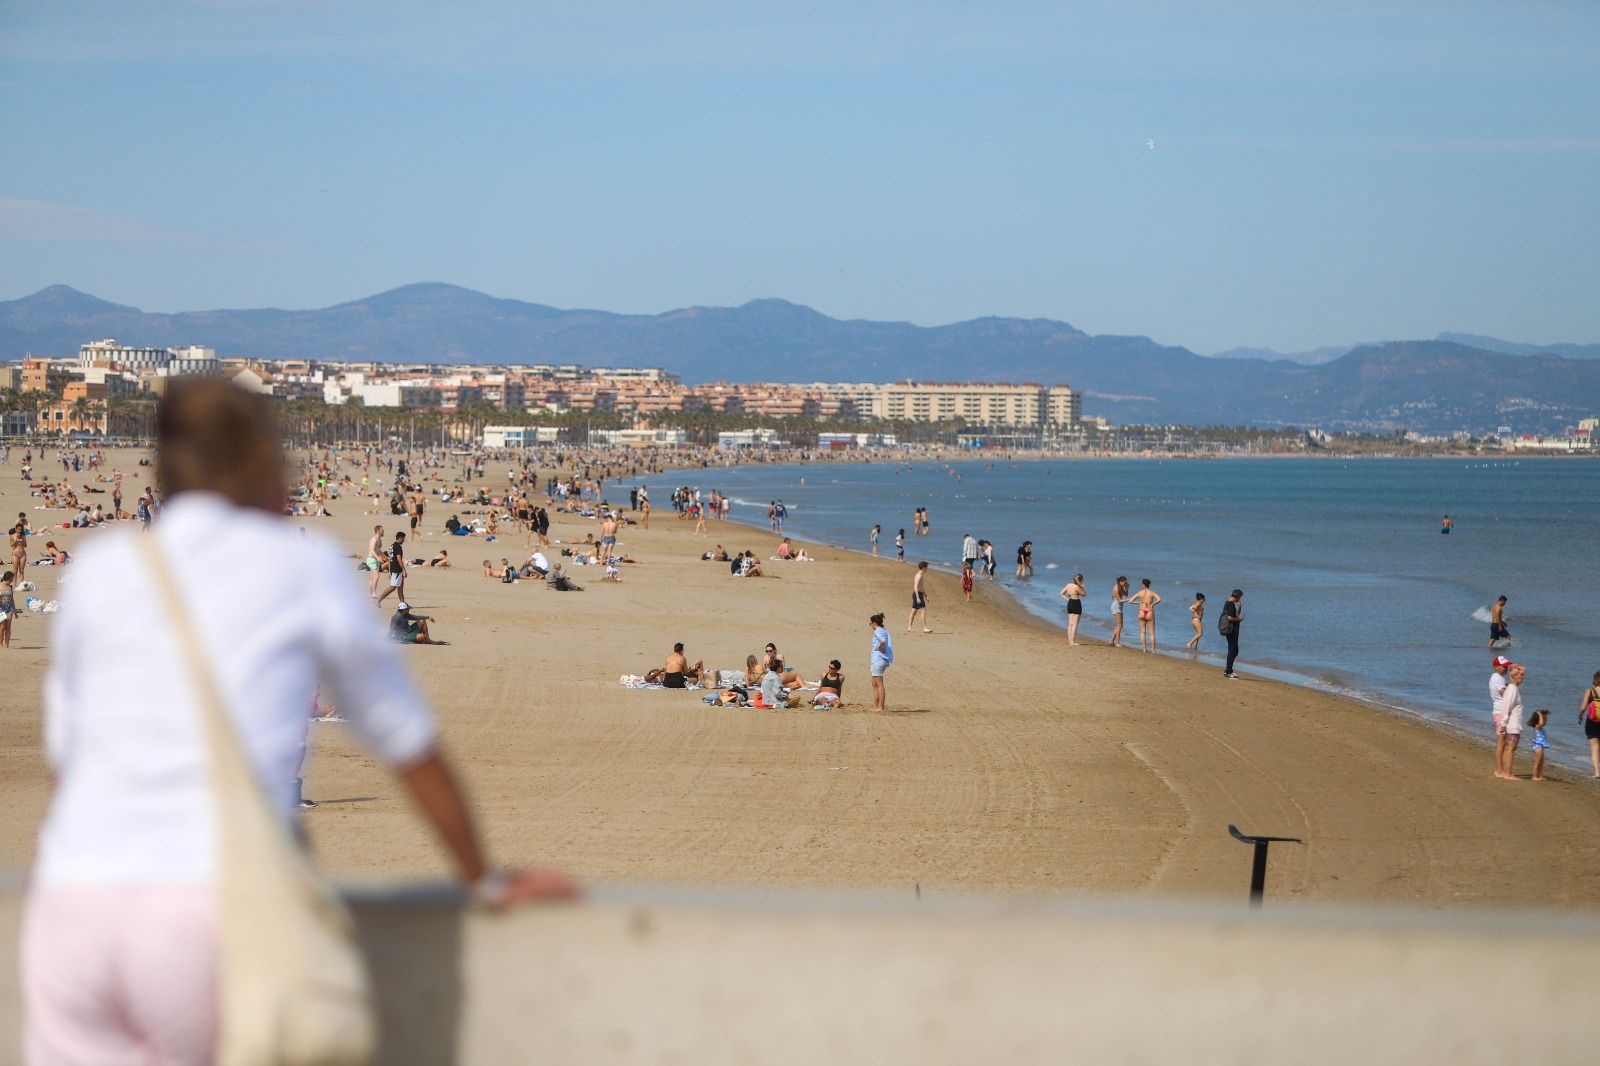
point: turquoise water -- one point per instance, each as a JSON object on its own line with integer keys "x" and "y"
{"x": 1348, "y": 583}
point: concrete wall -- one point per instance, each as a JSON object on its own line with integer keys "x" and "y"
{"x": 660, "y": 976}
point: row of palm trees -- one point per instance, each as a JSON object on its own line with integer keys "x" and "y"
{"x": 120, "y": 416}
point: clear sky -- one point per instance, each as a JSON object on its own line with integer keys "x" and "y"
{"x": 1322, "y": 173}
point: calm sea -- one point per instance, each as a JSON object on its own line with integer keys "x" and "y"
{"x": 1349, "y": 584}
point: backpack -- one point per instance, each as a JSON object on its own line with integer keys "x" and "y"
{"x": 1226, "y": 623}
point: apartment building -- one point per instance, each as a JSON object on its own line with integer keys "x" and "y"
{"x": 977, "y": 403}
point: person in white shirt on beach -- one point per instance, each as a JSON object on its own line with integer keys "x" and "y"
{"x": 1511, "y": 713}
{"x": 1497, "y": 693}
{"x": 120, "y": 953}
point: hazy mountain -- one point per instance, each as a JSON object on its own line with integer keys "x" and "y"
{"x": 1430, "y": 386}
{"x": 1495, "y": 344}
{"x": 1310, "y": 358}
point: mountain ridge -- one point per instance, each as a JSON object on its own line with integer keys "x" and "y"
{"x": 1434, "y": 385}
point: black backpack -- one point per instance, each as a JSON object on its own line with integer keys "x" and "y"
{"x": 1226, "y": 623}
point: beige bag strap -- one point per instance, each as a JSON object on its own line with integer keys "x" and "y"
{"x": 294, "y": 987}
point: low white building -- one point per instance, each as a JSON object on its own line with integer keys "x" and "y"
{"x": 748, "y": 438}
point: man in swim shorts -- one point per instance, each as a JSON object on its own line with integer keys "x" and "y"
{"x": 374, "y": 549}
{"x": 1498, "y": 631}
{"x": 919, "y": 598}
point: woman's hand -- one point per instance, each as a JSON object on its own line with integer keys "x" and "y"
{"x": 501, "y": 890}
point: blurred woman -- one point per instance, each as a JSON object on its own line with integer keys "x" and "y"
{"x": 120, "y": 940}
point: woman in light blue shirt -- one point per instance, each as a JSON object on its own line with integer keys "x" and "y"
{"x": 882, "y": 658}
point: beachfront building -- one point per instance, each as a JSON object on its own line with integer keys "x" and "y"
{"x": 1027, "y": 406}
{"x": 741, "y": 439}
{"x": 136, "y": 359}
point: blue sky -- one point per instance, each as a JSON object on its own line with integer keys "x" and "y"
{"x": 1321, "y": 174}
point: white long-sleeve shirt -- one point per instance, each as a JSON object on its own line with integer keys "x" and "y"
{"x": 1511, "y": 706}
{"x": 276, "y": 613}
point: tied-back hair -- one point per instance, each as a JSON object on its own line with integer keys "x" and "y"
{"x": 212, "y": 436}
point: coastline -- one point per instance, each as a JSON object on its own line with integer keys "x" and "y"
{"x": 1009, "y": 763}
{"x": 1333, "y": 678}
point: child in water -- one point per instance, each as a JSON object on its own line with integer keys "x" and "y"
{"x": 1540, "y": 742}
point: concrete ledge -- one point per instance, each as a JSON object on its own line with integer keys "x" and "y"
{"x": 686, "y": 976}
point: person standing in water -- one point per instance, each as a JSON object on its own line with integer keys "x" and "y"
{"x": 919, "y": 598}
{"x": 1232, "y": 618}
{"x": 876, "y": 530}
{"x": 1073, "y": 592}
{"x": 1025, "y": 559}
{"x": 1447, "y": 525}
{"x": 1146, "y": 599}
{"x": 1498, "y": 632}
{"x": 1197, "y": 618}
{"x": 1119, "y": 600}
{"x": 900, "y": 545}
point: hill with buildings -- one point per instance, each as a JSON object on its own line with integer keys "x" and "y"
{"x": 1430, "y": 386}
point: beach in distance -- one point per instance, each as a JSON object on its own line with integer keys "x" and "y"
{"x": 1008, "y": 761}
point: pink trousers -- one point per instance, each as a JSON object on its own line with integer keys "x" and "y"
{"x": 120, "y": 976}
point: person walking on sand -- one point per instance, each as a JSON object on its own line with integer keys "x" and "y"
{"x": 1119, "y": 600}
{"x": 1073, "y": 592}
{"x": 1511, "y": 721}
{"x": 1197, "y": 618}
{"x": 1146, "y": 600}
{"x": 919, "y": 598}
{"x": 1589, "y": 715}
{"x": 1228, "y": 623}
{"x": 1498, "y": 633}
{"x": 882, "y": 657}
{"x": 1498, "y": 680}
{"x": 397, "y": 568}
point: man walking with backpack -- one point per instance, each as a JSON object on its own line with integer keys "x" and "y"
{"x": 1228, "y": 625}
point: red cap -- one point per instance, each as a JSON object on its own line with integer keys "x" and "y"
{"x": 1501, "y": 660}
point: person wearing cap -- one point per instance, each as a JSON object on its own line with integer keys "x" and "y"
{"x": 408, "y": 628}
{"x": 1497, "y": 695}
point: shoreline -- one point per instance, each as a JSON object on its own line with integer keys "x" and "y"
{"x": 1340, "y": 684}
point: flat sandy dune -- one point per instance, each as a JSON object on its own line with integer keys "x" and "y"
{"x": 1010, "y": 761}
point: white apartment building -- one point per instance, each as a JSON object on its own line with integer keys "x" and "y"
{"x": 190, "y": 359}
{"x": 127, "y": 356}
{"x": 978, "y": 403}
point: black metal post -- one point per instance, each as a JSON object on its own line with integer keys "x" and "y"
{"x": 1258, "y": 864}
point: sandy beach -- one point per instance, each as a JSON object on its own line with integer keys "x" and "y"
{"x": 1010, "y": 761}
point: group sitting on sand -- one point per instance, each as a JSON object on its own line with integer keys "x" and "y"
{"x": 766, "y": 681}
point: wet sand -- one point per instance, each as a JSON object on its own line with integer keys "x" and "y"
{"x": 1009, "y": 761}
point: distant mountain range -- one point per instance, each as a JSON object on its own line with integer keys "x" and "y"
{"x": 1453, "y": 382}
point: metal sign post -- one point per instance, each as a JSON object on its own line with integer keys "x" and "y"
{"x": 1258, "y": 867}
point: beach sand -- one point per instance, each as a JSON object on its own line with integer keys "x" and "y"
{"x": 1010, "y": 761}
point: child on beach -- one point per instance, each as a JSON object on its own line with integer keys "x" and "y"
{"x": 1540, "y": 742}
{"x": 966, "y": 580}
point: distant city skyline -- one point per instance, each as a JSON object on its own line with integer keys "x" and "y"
{"x": 1211, "y": 176}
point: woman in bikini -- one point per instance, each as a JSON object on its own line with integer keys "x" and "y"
{"x": 1073, "y": 592}
{"x": 1197, "y": 618}
{"x": 831, "y": 694}
{"x": 1146, "y": 599}
{"x": 1119, "y": 599}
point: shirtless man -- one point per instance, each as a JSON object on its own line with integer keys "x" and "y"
{"x": 678, "y": 672}
{"x": 374, "y": 552}
{"x": 919, "y": 598}
{"x": 608, "y": 538}
{"x": 1498, "y": 633}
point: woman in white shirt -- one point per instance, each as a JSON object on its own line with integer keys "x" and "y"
{"x": 119, "y": 946}
{"x": 1511, "y": 707}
